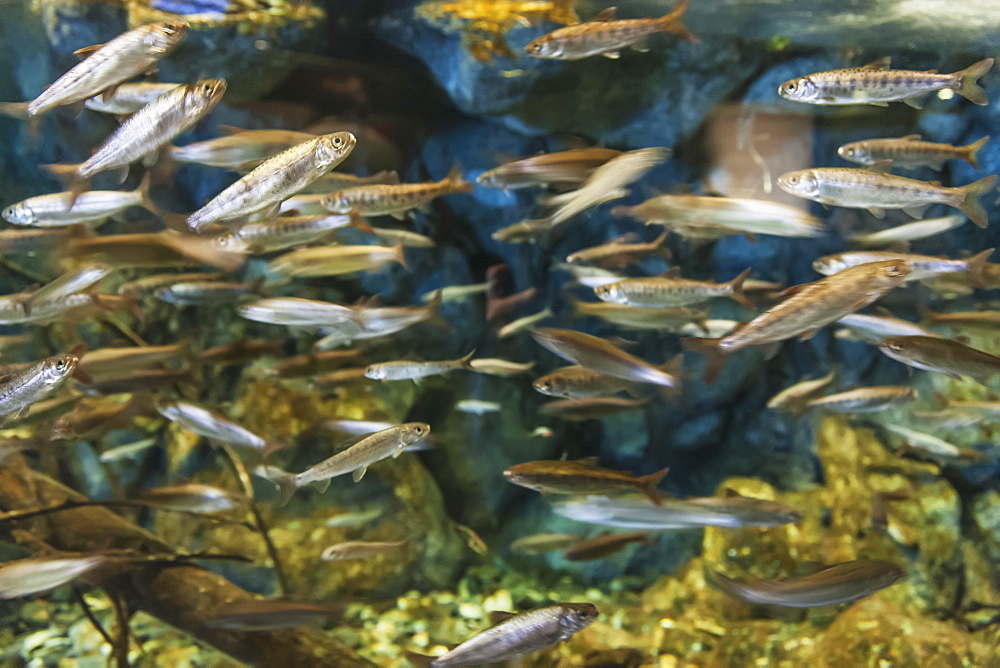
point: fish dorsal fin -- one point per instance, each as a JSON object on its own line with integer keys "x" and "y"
{"x": 606, "y": 15}
{"x": 590, "y": 462}
{"x": 882, "y": 166}
{"x": 230, "y": 129}
{"x": 340, "y": 447}
{"x": 934, "y": 183}
{"x": 497, "y": 616}
{"x": 412, "y": 357}
{"x": 86, "y": 51}
{"x": 880, "y": 64}
{"x": 673, "y": 272}
{"x": 910, "y": 138}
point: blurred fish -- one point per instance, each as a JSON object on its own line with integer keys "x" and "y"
{"x": 193, "y": 498}
{"x": 314, "y": 363}
{"x": 619, "y": 253}
{"x": 214, "y": 426}
{"x": 455, "y": 293}
{"x": 544, "y": 542}
{"x": 39, "y": 575}
{"x": 921, "y": 266}
{"x": 588, "y": 276}
{"x": 298, "y": 312}
{"x": 395, "y": 200}
{"x": 524, "y": 232}
{"x": 359, "y": 550}
{"x": 876, "y": 329}
{"x": 150, "y": 284}
{"x": 334, "y": 260}
{"x": 500, "y": 367}
{"x": 833, "y": 585}
{"x": 478, "y": 406}
{"x": 402, "y": 237}
{"x": 563, "y": 167}
{"x": 149, "y": 250}
{"x": 75, "y": 280}
{"x": 241, "y": 352}
{"x": 136, "y": 381}
{"x": 874, "y": 189}
{"x": 590, "y": 408}
{"x": 628, "y": 513}
{"x": 107, "y": 65}
{"x": 415, "y": 370}
{"x": 914, "y": 231}
{"x": 239, "y": 149}
{"x": 274, "y": 180}
{"x": 23, "y": 388}
{"x": 604, "y": 545}
{"x": 876, "y": 84}
{"x": 281, "y": 233}
{"x": 987, "y": 411}
{"x": 128, "y": 98}
{"x": 355, "y": 518}
{"x": 951, "y": 358}
{"x": 340, "y": 377}
{"x": 864, "y": 399}
{"x": 524, "y": 324}
{"x": 355, "y": 458}
{"x": 268, "y": 615}
{"x": 909, "y": 152}
{"x": 666, "y": 318}
{"x": 93, "y": 417}
{"x": 38, "y": 240}
{"x": 714, "y": 329}
{"x": 127, "y": 451}
{"x": 577, "y": 381}
{"x": 607, "y": 36}
{"x": 964, "y": 318}
{"x": 206, "y": 293}
{"x": 15, "y": 308}
{"x": 383, "y": 320}
{"x": 582, "y": 476}
{"x": 599, "y": 355}
{"x": 931, "y": 447}
{"x": 661, "y": 292}
{"x": 96, "y": 206}
{"x": 795, "y": 397}
{"x": 521, "y": 634}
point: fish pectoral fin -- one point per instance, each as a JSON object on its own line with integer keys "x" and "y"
{"x": 322, "y": 485}
{"x": 150, "y": 159}
{"x": 86, "y": 51}
{"x": 358, "y": 474}
{"x": 120, "y": 174}
{"x": 398, "y": 215}
{"x": 808, "y": 334}
{"x": 916, "y": 102}
{"x": 642, "y": 46}
{"x": 877, "y": 212}
{"x": 879, "y": 104}
{"x": 916, "y": 211}
{"x": 606, "y": 15}
{"x": 613, "y": 55}
{"x": 109, "y": 93}
{"x": 880, "y": 64}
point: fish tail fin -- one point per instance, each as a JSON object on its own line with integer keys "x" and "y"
{"x": 270, "y": 447}
{"x": 143, "y": 192}
{"x": 286, "y": 487}
{"x": 972, "y": 151}
{"x": 67, "y": 174}
{"x": 966, "y": 84}
{"x": 671, "y": 22}
{"x": 660, "y": 247}
{"x": 400, "y": 257}
{"x": 466, "y": 361}
{"x": 709, "y": 348}
{"x": 18, "y": 110}
{"x": 648, "y": 485}
{"x": 673, "y": 367}
{"x": 736, "y": 286}
{"x": 455, "y": 180}
{"x": 388, "y": 177}
{"x": 969, "y": 202}
{"x": 176, "y": 222}
{"x": 434, "y": 311}
{"x": 976, "y": 265}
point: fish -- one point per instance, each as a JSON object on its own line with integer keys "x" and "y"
{"x": 137, "y": 381}
{"x": 128, "y": 98}
{"x": 833, "y": 585}
{"x": 914, "y": 231}
{"x": 660, "y": 292}
{"x": 149, "y": 284}
{"x": 193, "y": 498}
{"x": 874, "y": 189}
{"x": 455, "y": 293}
{"x": 107, "y": 65}
{"x": 524, "y": 324}
{"x": 876, "y": 84}
{"x": 521, "y": 634}
{"x": 268, "y": 615}
{"x": 298, "y": 312}
{"x": 664, "y": 319}
{"x": 864, "y": 399}
{"x": 563, "y": 167}
{"x": 92, "y": 418}
{"x": 415, "y": 370}
{"x": 23, "y": 388}
{"x": 94, "y": 207}
{"x": 582, "y": 476}
{"x": 544, "y": 542}
{"x": 591, "y": 408}
{"x": 314, "y": 363}
{"x": 242, "y": 351}
{"x": 478, "y": 406}
{"x": 39, "y": 575}
{"x": 395, "y": 200}
{"x": 14, "y": 309}
{"x": 354, "y": 518}
{"x": 921, "y": 266}
{"x": 714, "y": 217}
{"x": 333, "y": 181}
{"x": 39, "y": 240}
{"x": 577, "y": 382}
{"x": 239, "y": 149}
{"x": 931, "y": 447}
{"x": 711, "y": 328}
{"x": 321, "y": 261}
{"x": 876, "y": 329}
{"x": 154, "y": 249}
{"x": 206, "y": 293}
{"x": 281, "y": 233}
{"x": 632, "y": 513}
{"x": 127, "y": 451}
{"x": 402, "y": 237}
{"x": 951, "y": 358}
{"x": 910, "y": 152}
{"x": 355, "y": 457}
{"x": 216, "y": 427}
{"x": 794, "y": 397}
{"x": 599, "y": 355}
{"x": 71, "y": 282}
{"x": 964, "y": 318}
{"x": 618, "y": 253}
{"x": 589, "y": 276}
{"x": 274, "y": 180}
{"x": 383, "y": 320}
{"x": 144, "y": 132}
{"x": 499, "y": 367}
{"x": 607, "y": 36}
{"x": 357, "y": 549}
{"x": 524, "y": 232}
{"x": 604, "y": 546}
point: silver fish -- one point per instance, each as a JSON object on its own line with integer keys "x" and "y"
{"x": 909, "y": 152}
{"x": 663, "y": 292}
{"x": 265, "y": 236}
{"x": 413, "y": 370}
{"x": 876, "y": 329}
{"x": 920, "y": 229}
{"x": 38, "y": 575}
{"x": 864, "y": 399}
{"x": 793, "y": 398}
{"x": 833, "y": 585}
{"x": 128, "y": 98}
{"x": 394, "y": 200}
{"x": 60, "y": 209}
{"x": 951, "y": 358}
{"x": 921, "y": 266}
{"x": 214, "y": 426}
{"x": 73, "y": 281}
{"x": 599, "y": 355}
{"x": 494, "y": 366}
{"x": 629, "y": 513}
{"x": 357, "y": 549}
{"x": 202, "y": 293}
{"x": 299, "y": 312}
{"x": 564, "y": 167}
{"x": 239, "y": 148}
{"x": 193, "y": 498}
{"x": 577, "y": 381}
{"x": 524, "y": 324}
{"x": 23, "y": 388}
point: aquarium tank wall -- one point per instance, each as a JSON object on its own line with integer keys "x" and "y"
{"x": 499, "y": 332}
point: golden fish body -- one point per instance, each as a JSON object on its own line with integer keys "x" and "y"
{"x": 280, "y": 233}
{"x": 394, "y": 200}
{"x": 951, "y": 358}
{"x": 572, "y": 166}
{"x": 335, "y": 260}
{"x": 909, "y": 152}
{"x": 864, "y": 399}
{"x": 60, "y": 209}
{"x": 659, "y": 292}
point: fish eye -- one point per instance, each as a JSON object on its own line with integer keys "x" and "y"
{"x": 582, "y": 614}
{"x": 60, "y": 364}
{"x": 793, "y": 180}
{"x": 337, "y": 142}
{"x": 790, "y": 87}
{"x": 849, "y": 151}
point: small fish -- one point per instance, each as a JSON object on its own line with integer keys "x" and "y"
{"x": 618, "y": 253}
{"x": 402, "y": 237}
{"x": 910, "y": 152}
{"x": 521, "y": 634}
{"x": 149, "y": 284}
{"x": 965, "y": 318}
{"x": 951, "y": 358}
{"x": 563, "y": 167}
{"x": 92, "y": 418}
{"x": 921, "y": 266}
{"x": 524, "y": 324}
{"x": 214, "y": 426}
{"x": 455, "y": 293}
{"x": 334, "y": 260}
{"x": 281, "y": 233}
{"x": 395, "y": 200}
{"x": 127, "y": 451}
{"x": 876, "y": 329}
{"x": 499, "y": 367}
{"x": 128, "y": 98}
{"x": 340, "y": 377}
{"x": 712, "y": 328}
{"x": 591, "y": 408}
{"x": 107, "y": 65}
{"x": 144, "y": 132}
{"x": 577, "y": 382}
{"x": 314, "y": 363}
{"x": 267, "y": 615}
{"x": 23, "y": 388}
{"x": 415, "y": 370}
{"x": 60, "y": 209}
{"x": 666, "y": 319}
{"x": 205, "y": 293}
{"x": 73, "y": 281}
{"x": 876, "y": 190}
{"x": 156, "y": 249}
{"x": 384, "y": 320}
{"x": 15, "y": 309}
{"x": 833, "y": 585}
{"x": 193, "y": 498}
{"x": 39, "y": 575}
{"x": 274, "y": 180}
{"x": 607, "y": 36}
{"x": 931, "y": 447}
{"x": 107, "y": 362}
{"x": 239, "y": 148}
{"x": 524, "y": 232}
{"x": 355, "y": 458}
{"x": 543, "y": 542}
{"x": 38, "y": 240}
{"x": 864, "y": 399}
{"x": 587, "y": 276}
{"x": 987, "y": 411}
{"x": 357, "y": 549}
{"x": 629, "y": 513}
{"x": 478, "y": 406}
{"x": 660, "y": 292}
{"x": 599, "y": 355}
{"x": 298, "y": 312}
{"x": 794, "y": 397}
{"x": 604, "y": 546}
{"x": 914, "y": 231}
{"x": 355, "y": 518}
{"x": 582, "y": 476}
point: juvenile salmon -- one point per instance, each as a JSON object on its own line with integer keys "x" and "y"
{"x": 910, "y": 152}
